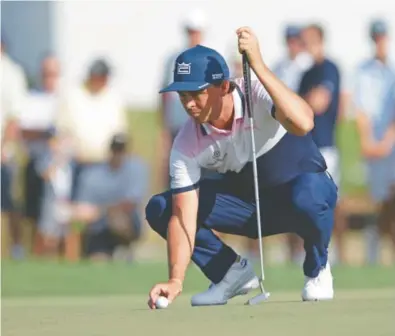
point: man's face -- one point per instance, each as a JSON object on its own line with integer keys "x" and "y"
{"x": 50, "y": 74}
{"x": 381, "y": 42}
{"x": 203, "y": 105}
{"x": 295, "y": 45}
{"x": 312, "y": 41}
{"x": 116, "y": 158}
{"x": 97, "y": 83}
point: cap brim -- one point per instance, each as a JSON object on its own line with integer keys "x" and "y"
{"x": 185, "y": 86}
{"x": 292, "y": 35}
{"x": 379, "y": 33}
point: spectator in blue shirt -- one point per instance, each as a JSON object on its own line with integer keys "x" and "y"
{"x": 109, "y": 198}
{"x": 374, "y": 99}
{"x": 320, "y": 87}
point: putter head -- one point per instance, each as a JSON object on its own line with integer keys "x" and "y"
{"x": 258, "y": 298}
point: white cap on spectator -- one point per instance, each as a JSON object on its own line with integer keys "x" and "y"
{"x": 195, "y": 20}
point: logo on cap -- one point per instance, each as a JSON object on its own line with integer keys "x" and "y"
{"x": 183, "y": 68}
{"x": 217, "y": 76}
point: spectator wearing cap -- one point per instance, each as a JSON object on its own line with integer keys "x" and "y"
{"x": 171, "y": 112}
{"x": 374, "y": 101}
{"x": 290, "y": 70}
{"x": 90, "y": 114}
{"x": 13, "y": 93}
{"x": 36, "y": 121}
{"x": 297, "y": 60}
{"x": 109, "y": 200}
{"x": 320, "y": 87}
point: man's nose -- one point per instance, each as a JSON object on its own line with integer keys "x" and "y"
{"x": 189, "y": 102}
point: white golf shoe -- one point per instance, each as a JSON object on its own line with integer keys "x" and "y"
{"x": 319, "y": 288}
{"x": 239, "y": 280}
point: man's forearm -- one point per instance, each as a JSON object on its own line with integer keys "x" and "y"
{"x": 291, "y": 110}
{"x": 180, "y": 245}
{"x": 370, "y": 148}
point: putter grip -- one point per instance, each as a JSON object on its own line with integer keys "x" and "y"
{"x": 247, "y": 84}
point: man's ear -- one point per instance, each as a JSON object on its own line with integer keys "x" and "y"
{"x": 225, "y": 85}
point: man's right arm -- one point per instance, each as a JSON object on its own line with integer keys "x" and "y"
{"x": 181, "y": 233}
{"x": 185, "y": 174}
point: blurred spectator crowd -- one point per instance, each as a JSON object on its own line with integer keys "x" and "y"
{"x": 80, "y": 173}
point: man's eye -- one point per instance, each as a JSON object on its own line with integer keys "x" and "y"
{"x": 197, "y": 93}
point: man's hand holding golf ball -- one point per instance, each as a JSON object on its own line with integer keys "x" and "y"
{"x": 162, "y": 294}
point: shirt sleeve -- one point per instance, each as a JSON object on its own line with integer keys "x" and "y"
{"x": 184, "y": 172}
{"x": 301, "y": 90}
{"x": 329, "y": 78}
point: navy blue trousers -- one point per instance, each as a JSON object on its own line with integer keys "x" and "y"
{"x": 304, "y": 206}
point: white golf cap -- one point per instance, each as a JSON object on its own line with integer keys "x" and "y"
{"x": 195, "y": 20}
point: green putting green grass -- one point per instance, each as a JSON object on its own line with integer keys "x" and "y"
{"x": 41, "y": 299}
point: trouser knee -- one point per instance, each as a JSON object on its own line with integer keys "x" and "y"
{"x": 315, "y": 200}
{"x": 158, "y": 212}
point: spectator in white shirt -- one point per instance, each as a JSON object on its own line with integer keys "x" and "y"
{"x": 91, "y": 114}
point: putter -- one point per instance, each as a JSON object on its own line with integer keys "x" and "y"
{"x": 263, "y": 296}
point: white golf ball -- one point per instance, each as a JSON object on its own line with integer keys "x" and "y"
{"x": 161, "y": 302}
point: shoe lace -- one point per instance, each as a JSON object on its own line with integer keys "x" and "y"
{"x": 316, "y": 280}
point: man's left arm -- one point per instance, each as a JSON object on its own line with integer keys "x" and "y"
{"x": 320, "y": 96}
{"x": 294, "y": 114}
